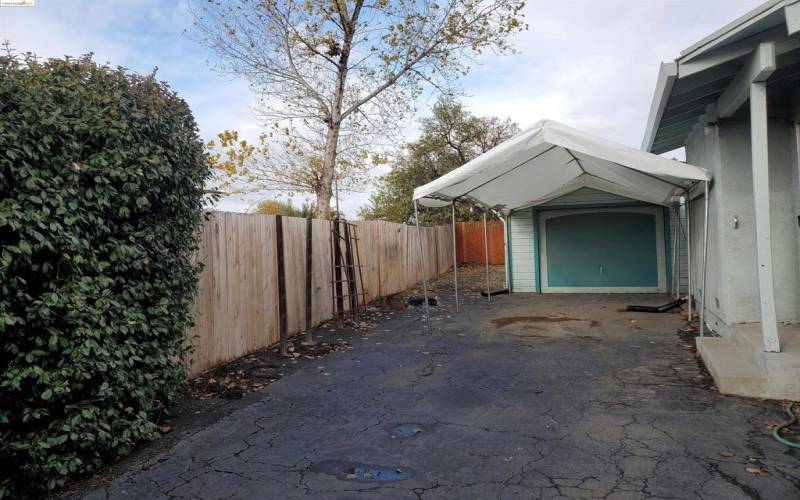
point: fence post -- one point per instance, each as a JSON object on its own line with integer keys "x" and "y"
{"x": 309, "y": 277}
{"x": 281, "y": 285}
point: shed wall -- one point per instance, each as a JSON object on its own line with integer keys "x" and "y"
{"x": 523, "y": 254}
{"x": 522, "y": 242}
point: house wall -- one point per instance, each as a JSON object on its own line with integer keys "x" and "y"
{"x": 796, "y": 184}
{"x": 703, "y": 150}
{"x": 732, "y": 281}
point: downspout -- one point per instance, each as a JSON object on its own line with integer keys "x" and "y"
{"x": 676, "y": 274}
{"x": 689, "y": 250}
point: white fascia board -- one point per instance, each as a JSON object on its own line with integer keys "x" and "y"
{"x": 667, "y": 75}
{"x": 759, "y": 66}
{"x": 741, "y": 48}
{"x": 792, "y": 14}
{"x": 721, "y": 35}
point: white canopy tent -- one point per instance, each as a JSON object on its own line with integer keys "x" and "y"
{"x": 549, "y": 160}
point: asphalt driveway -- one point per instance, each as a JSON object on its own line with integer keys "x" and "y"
{"x": 537, "y": 396}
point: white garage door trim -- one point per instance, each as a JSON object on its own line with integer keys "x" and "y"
{"x": 660, "y": 254}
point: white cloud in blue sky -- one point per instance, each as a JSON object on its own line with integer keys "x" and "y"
{"x": 591, "y": 64}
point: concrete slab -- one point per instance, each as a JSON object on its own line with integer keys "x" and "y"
{"x": 534, "y": 397}
{"x": 740, "y": 366}
{"x": 732, "y": 370}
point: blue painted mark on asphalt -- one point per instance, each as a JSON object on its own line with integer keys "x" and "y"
{"x": 365, "y": 473}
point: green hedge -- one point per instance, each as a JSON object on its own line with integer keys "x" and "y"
{"x": 102, "y": 177}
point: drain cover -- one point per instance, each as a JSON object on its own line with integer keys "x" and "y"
{"x": 404, "y": 431}
{"x": 364, "y": 473}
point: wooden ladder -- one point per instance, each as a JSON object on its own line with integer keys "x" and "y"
{"x": 347, "y": 285}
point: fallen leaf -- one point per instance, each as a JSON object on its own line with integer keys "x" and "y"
{"x": 727, "y": 454}
{"x": 165, "y": 429}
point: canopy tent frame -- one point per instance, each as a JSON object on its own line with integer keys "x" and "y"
{"x": 676, "y": 281}
{"x": 549, "y": 136}
{"x": 455, "y": 255}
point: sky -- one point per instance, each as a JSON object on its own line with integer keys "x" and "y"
{"x": 590, "y": 64}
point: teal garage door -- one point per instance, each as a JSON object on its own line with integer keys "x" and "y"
{"x": 601, "y": 251}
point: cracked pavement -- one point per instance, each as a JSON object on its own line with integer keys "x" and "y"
{"x": 606, "y": 404}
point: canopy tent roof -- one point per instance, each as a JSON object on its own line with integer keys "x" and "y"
{"x": 549, "y": 160}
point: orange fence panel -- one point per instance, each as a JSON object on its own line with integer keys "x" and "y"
{"x": 469, "y": 242}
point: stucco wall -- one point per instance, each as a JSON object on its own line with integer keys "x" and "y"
{"x": 704, "y": 150}
{"x": 732, "y": 281}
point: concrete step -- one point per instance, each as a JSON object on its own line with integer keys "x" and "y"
{"x": 750, "y": 343}
{"x": 789, "y": 335}
{"x": 733, "y": 372}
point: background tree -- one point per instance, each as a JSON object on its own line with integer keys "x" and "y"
{"x": 450, "y": 137}
{"x": 285, "y": 160}
{"x": 348, "y": 70}
{"x": 287, "y": 208}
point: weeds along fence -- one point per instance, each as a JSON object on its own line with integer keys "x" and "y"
{"x": 237, "y": 307}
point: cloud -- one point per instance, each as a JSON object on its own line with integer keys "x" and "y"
{"x": 140, "y": 35}
{"x": 591, "y": 64}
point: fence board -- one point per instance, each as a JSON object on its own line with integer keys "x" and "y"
{"x": 469, "y": 241}
{"x": 236, "y": 308}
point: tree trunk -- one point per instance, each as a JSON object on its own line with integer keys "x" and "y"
{"x": 325, "y": 191}
{"x": 335, "y": 117}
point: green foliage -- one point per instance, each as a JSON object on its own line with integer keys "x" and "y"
{"x": 450, "y": 137}
{"x": 102, "y": 178}
{"x": 277, "y": 207}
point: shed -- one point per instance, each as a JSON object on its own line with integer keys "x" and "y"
{"x": 582, "y": 214}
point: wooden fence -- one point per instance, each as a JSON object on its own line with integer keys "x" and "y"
{"x": 237, "y": 303}
{"x": 469, "y": 242}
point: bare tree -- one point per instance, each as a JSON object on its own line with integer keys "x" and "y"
{"x": 350, "y": 65}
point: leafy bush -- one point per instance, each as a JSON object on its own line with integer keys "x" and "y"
{"x": 102, "y": 178}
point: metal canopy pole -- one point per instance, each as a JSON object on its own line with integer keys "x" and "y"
{"x": 680, "y": 256}
{"x": 455, "y": 255}
{"x": 705, "y": 258}
{"x": 424, "y": 268}
{"x": 486, "y": 255}
{"x": 689, "y": 248}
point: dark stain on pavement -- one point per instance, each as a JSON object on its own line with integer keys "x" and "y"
{"x": 404, "y": 431}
